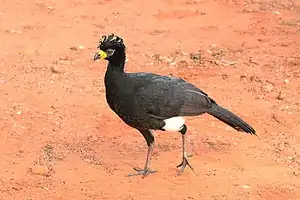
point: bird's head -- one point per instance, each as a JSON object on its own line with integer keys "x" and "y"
{"x": 111, "y": 48}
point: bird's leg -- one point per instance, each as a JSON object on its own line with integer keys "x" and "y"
{"x": 185, "y": 160}
{"x": 150, "y": 142}
{"x": 144, "y": 172}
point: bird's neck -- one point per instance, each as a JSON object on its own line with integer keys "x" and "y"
{"x": 115, "y": 68}
{"x": 114, "y": 74}
{"x": 117, "y": 65}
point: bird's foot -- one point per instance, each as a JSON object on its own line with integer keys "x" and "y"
{"x": 142, "y": 172}
{"x": 185, "y": 162}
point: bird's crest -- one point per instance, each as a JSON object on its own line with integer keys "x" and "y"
{"x": 112, "y": 39}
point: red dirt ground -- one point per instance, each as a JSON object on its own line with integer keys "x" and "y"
{"x": 59, "y": 140}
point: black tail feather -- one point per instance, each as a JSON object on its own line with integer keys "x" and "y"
{"x": 231, "y": 119}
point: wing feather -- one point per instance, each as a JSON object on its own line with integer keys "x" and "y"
{"x": 164, "y": 97}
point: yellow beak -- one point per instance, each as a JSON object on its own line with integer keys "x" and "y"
{"x": 100, "y": 55}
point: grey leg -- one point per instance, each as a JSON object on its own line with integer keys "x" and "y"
{"x": 150, "y": 142}
{"x": 185, "y": 160}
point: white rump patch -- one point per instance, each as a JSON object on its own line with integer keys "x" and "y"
{"x": 174, "y": 124}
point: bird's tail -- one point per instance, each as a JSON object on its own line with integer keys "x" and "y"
{"x": 231, "y": 119}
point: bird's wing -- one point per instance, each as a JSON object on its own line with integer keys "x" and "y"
{"x": 165, "y": 97}
{"x": 195, "y": 101}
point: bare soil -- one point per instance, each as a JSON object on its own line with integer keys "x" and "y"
{"x": 59, "y": 140}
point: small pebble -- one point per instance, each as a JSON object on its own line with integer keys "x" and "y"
{"x": 50, "y": 8}
{"x": 183, "y": 63}
{"x": 74, "y": 48}
{"x": 228, "y": 62}
{"x": 290, "y": 158}
{"x": 246, "y": 186}
{"x": 55, "y": 69}
{"x": 267, "y": 87}
{"x": 281, "y": 96}
{"x": 286, "y": 81}
{"x": 81, "y": 47}
{"x": 40, "y": 170}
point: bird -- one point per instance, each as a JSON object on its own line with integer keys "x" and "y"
{"x": 151, "y": 102}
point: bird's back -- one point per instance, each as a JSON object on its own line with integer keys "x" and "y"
{"x": 142, "y": 99}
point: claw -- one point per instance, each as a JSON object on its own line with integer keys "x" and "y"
{"x": 185, "y": 162}
{"x": 142, "y": 172}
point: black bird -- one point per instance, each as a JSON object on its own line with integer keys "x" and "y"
{"x": 147, "y": 101}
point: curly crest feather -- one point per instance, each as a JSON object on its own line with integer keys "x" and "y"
{"x": 111, "y": 39}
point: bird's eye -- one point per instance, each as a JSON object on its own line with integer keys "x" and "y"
{"x": 110, "y": 52}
